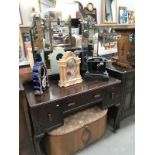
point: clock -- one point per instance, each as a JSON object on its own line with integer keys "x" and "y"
{"x": 96, "y": 69}
{"x": 69, "y": 68}
{"x": 89, "y": 10}
{"x": 90, "y": 7}
{"x": 40, "y": 79}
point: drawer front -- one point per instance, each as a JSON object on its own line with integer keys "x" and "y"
{"x": 84, "y": 100}
{"x": 114, "y": 95}
{"x": 46, "y": 116}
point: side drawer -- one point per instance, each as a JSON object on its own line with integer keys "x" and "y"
{"x": 114, "y": 95}
{"x": 83, "y": 100}
{"x": 46, "y": 117}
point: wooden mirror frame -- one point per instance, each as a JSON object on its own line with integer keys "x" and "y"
{"x": 103, "y": 18}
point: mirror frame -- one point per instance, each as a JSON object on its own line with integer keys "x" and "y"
{"x": 103, "y": 18}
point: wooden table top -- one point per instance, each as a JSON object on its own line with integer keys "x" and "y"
{"x": 54, "y": 92}
{"x": 118, "y": 68}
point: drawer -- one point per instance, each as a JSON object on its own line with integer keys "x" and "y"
{"x": 114, "y": 94}
{"x": 83, "y": 100}
{"x": 45, "y": 117}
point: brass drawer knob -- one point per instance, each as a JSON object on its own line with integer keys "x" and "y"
{"x": 97, "y": 96}
{"x": 71, "y": 104}
{"x": 57, "y": 105}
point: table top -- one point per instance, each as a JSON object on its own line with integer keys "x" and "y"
{"x": 54, "y": 92}
{"x": 117, "y": 68}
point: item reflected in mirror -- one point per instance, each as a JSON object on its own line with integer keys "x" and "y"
{"x": 107, "y": 41}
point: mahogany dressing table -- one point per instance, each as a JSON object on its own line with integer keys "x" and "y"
{"x": 48, "y": 111}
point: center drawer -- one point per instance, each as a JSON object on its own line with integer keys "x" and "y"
{"x": 73, "y": 103}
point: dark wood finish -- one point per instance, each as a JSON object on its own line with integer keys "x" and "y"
{"x": 25, "y": 136}
{"x": 48, "y": 111}
{"x": 127, "y": 76}
{"x": 124, "y": 45}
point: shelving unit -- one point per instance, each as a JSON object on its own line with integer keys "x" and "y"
{"x": 118, "y": 26}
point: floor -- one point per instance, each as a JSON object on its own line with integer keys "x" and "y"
{"x": 120, "y": 143}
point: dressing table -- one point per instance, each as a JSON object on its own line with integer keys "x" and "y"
{"x": 47, "y": 112}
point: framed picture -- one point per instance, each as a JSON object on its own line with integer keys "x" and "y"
{"x": 123, "y": 15}
{"x": 131, "y": 17}
{"x": 109, "y": 11}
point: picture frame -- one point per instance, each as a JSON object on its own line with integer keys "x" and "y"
{"x": 131, "y": 17}
{"x": 123, "y": 15}
{"x": 109, "y": 11}
{"x": 20, "y": 17}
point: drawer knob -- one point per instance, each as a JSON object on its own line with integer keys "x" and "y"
{"x": 50, "y": 117}
{"x": 57, "y": 105}
{"x": 97, "y": 96}
{"x": 71, "y": 104}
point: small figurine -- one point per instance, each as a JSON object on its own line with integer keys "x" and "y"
{"x": 40, "y": 77}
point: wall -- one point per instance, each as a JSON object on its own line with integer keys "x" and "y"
{"x": 129, "y": 3}
{"x": 26, "y": 6}
{"x": 97, "y": 4}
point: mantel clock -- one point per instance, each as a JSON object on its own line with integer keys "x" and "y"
{"x": 69, "y": 68}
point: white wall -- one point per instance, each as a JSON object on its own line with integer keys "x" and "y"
{"x": 96, "y": 3}
{"x": 129, "y": 3}
{"x": 26, "y": 6}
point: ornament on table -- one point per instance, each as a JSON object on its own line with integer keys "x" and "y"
{"x": 57, "y": 54}
{"x": 69, "y": 67}
{"x": 40, "y": 77}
